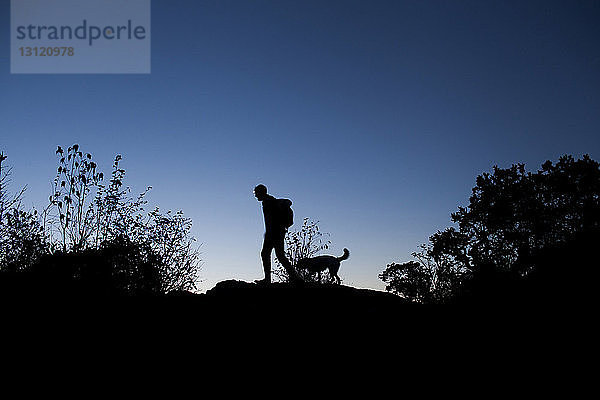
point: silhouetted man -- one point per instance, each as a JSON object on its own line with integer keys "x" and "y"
{"x": 277, "y": 222}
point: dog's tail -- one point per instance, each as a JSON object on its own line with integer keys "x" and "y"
{"x": 344, "y": 256}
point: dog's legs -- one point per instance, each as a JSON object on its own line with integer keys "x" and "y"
{"x": 333, "y": 273}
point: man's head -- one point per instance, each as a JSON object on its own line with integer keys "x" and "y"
{"x": 260, "y": 192}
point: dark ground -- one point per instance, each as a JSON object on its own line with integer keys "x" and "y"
{"x": 308, "y": 309}
{"x": 339, "y": 335}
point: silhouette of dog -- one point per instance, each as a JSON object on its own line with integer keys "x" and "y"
{"x": 321, "y": 263}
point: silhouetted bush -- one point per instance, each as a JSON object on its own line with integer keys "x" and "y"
{"x": 22, "y": 242}
{"x": 95, "y": 238}
{"x": 119, "y": 267}
{"x": 21, "y": 238}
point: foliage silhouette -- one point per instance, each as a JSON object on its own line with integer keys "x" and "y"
{"x": 116, "y": 267}
{"x": 21, "y": 237}
{"x": 96, "y": 238}
{"x": 429, "y": 279}
{"x": 75, "y": 181}
{"x": 513, "y": 221}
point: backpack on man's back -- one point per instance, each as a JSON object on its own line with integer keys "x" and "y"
{"x": 285, "y": 213}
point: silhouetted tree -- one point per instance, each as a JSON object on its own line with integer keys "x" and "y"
{"x": 513, "y": 214}
{"x": 410, "y": 280}
{"x": 513, "y": 218}
{"x": 7, "y": 201}
{"x": 429, "y": 279}
{"x": 21, "y": 238}
{"x": 22, "y": 243}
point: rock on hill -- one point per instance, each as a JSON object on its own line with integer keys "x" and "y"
{"x": 308, "y": 305}
{"x": 308, "y": 298}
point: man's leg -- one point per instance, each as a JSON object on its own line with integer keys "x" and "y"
{"x": 265, "y": 255}
{"x": 282, "y": 258}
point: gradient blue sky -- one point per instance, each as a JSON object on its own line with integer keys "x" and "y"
{"x": 374, "y": 117}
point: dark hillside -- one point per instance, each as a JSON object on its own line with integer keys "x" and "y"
{"x": 310, "y": 301}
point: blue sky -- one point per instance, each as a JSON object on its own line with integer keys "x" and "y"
{"x": 374, "y": 117}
